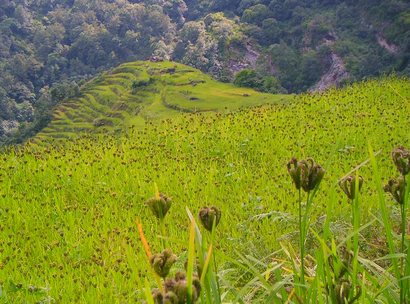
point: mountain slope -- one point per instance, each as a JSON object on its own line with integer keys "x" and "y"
{"x": 57, "y": 45}
{"x": 144, "y": 91}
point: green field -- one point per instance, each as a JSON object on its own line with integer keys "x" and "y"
{"x": 68, "y": 212}
{"x": 141, "y": 91}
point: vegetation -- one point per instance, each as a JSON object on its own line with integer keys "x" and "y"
{"x": 68, "y": 209}
{"x": 49, "y": 47}
{"x": 140, "y": 92}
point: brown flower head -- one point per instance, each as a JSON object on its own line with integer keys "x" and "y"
{"x": 176, "y": 289}
{"x": 162, "y": 263}
{"x": 208, "y": 216}
{"x": 348, "y": 185}
{"x": 159, "y": 205}
{"x": 296, "y": 172}
{"x": 401, "y": 158}
{"x": 306, "y": 174}
{"x": 397, "y": 188}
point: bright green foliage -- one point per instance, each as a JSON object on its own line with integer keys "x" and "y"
{"x": 138, "y": 92}
{"x": 67, "y": 213}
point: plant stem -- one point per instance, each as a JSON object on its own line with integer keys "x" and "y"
{"x": 216, "y": 276}
{"x": 302, "y": 241}
{"x": 403, "y": 233}
{"x": 162, "y": 224}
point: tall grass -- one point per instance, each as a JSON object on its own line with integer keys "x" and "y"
{"x": 339, "y": 274}
{"x": 67, "y": 212}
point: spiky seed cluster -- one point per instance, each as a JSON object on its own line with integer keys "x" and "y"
{"x": 342, "y": 292}
{"x": 397, "y": 188}
{"x": 401, "y": 158}
{"x": 306, "y": 174}
{"x": 209, "y": 215}
{"x": 162, "y": 263}
{"x": 176, "y": 290}
{"x": 348, "y": 185}
{"x": 159, "y": 206}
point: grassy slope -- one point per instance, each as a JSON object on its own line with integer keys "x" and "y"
{"x": 111, "y": 100}
{"x": 67, "y": 215}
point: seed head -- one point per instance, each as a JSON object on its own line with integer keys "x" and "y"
{"x": 313, "y": 174}
{"x": 306, "y": 174}
{"x": 208, "y": 216}
{"x": 397, "y": 189}
{"x": 176, "y": 290}
{"x": 296, "y": 172}
{"x": 348, "y": 185}
{"x": 401, "y": 158}
{"x": 159, "y": 206}
{"x": 171, "y": 298}
{"x": 162, "y": 263}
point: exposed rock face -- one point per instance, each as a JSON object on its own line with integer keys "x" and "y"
{"x": 251, "y": 56}
{"x": 333, "y": 77}
{"x": 248, "y": 61}
{"x": 235, "y": 66}
{"x": 391, "y": 48}
{"x": 9, "y": 125}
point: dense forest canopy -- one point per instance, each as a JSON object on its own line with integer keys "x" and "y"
{"x": 48, "y": 48}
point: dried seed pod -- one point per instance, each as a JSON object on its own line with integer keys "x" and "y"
{"x": 159, "y": 206}
{"x": 162, "y": 263}
{"x": 401, "y": 158}
{"x": 348, "y": 185}
{"x": 209, "y": 215}
{"x": 397, "y": 189}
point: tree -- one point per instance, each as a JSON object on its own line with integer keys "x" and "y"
{"x": 256, "y": 14}
{"x": 272, "y": 31}
{"x": 248, "y": 78}
{"x": 191, "y": 31}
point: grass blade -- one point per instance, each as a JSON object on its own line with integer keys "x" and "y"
{"x": 149, "y": 254}
{"x": 148, "y": 295}
{"x": 383, "y": 209}
{"x": 191, "y": 257}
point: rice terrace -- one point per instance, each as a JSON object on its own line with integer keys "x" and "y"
{"x": 205, "y": 151}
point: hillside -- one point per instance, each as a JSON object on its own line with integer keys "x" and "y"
{"x": 49, "y": 48}
{"x": 140, "y": 92}
{"x": 67, "y": 214}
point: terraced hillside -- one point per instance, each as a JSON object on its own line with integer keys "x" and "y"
{"x": 146, "y": 91}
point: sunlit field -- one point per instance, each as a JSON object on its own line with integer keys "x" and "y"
{"x": 139, "y": 92}
{"x": 68, "y": 209}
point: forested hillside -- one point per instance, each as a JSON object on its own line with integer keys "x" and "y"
{"x": 48, "y": 48}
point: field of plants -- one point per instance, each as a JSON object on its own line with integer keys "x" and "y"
{"x": 143, "y": 91}
{"x": 77, "y": 221}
